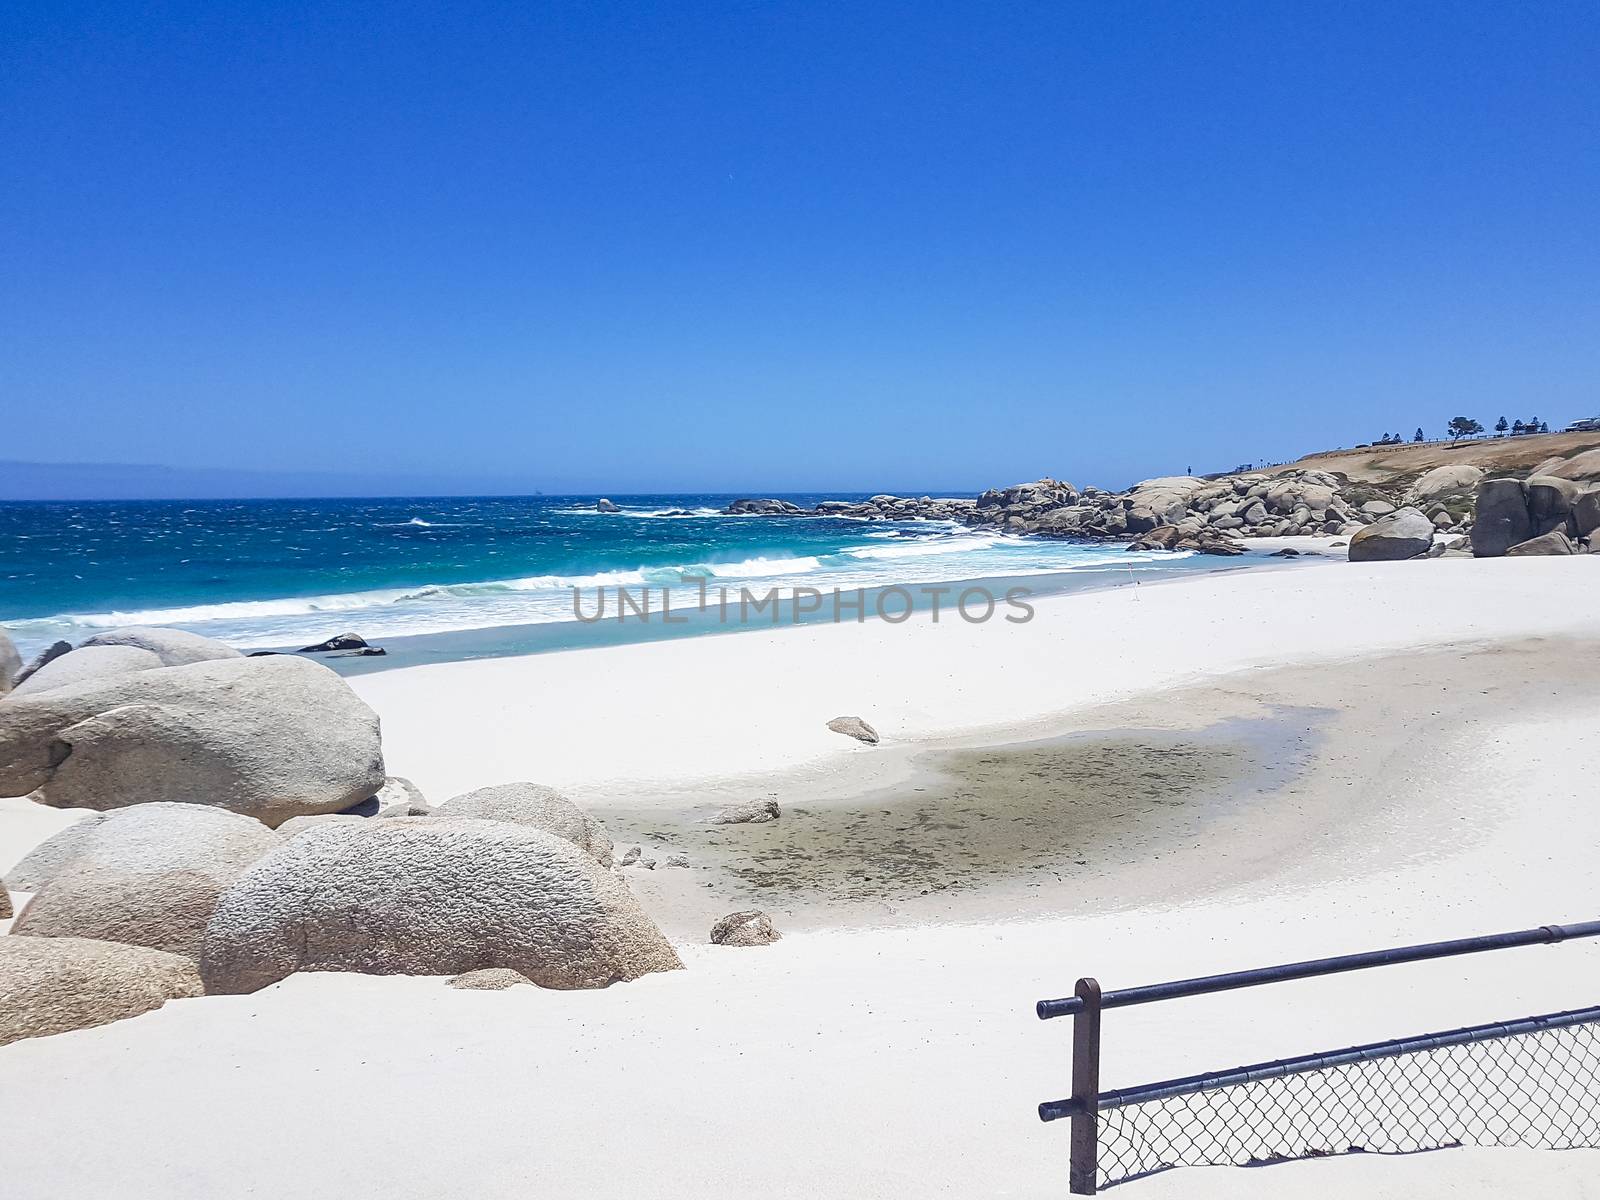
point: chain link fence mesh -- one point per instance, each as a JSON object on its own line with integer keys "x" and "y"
{"x": 1539, "y": 1090}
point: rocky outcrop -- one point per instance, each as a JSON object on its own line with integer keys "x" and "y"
{"x": 85, "y": 664}
{"x": 490, "y": 979}
{"x": 429, "y": 896}
{"x": 1454, "y": 480}
{"x": 751, "y": 812}
{"x": 1208, "y": 512}
{"x": 536, "y": 806}
{"x": 855, "y": 727}
{"x": 1512, "y": 513}
{"x": 174, "y": 647}
{"x": 752, "y": 928}
{"x": 1403, "y": 534}
{"x": 10, "y": 663}
{"x": 1501, "y": 518}
{"x": 269, "y": 738}
{"x": 605, "y": 506}
{"x": 53, "y": 985}
{"x": 1550, "y": 502}
{"x": 1586, "y": 515}
{"x": 147, "y": 876}
{"x": 45, "y": 861}
{"x": 762, "y": 508}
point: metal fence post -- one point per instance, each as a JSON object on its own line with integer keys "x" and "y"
{"x": 1083, "y": 1172}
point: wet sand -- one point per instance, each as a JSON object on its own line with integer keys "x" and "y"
{"x": 968, "y": 822}
{"x": 1295, "y": 772}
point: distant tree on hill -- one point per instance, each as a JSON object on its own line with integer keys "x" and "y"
{"x": 1544, "y": 426}
{"x": 1418, "y": 437}
{"x": 1500, "y": 426}
{"x": 1520, "y": 428}
{"x": 1461, "y": 427}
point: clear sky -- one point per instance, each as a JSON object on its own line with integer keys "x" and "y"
{"x": 764, "y": 246}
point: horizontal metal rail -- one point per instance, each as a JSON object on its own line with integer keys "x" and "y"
{"x": 1207, "y": 984}
{"x": 1054, "y": 1110}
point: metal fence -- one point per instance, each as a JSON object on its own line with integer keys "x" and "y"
{"x": 1531, "y": 1082}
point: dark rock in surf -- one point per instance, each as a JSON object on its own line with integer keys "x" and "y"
{"x": 345, "y": 641}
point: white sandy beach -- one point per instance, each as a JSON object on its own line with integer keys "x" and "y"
{"x": 671, "y": 713}
{"x": 905, "y": 1061}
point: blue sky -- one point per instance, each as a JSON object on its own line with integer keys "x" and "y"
{"x": 763, "y": 246}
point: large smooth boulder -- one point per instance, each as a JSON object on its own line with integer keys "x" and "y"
{"x": 1550, "y": 501}
{"x": 10, "y": 663}
{"x": 1554, "y": 542}
{"x": 1444, "y": 481}
{"x": 174, "y": 647}
{"x": 148, "y": 876}
{"x": 1402, "y": 534}
{"x": 52, "y": 985}
{"x": 1501, "y": 518}
{"x": 1584, "y": 466}
{"x": 44, "y": 862}
{"x": 270, "y": 738}
{"x": 84, "y": 665}
{"x": 296, "y": 825}
{"x": 430, "y": 896}
{"x": 1586, "y": 513}
{"x": 537, "y": 806}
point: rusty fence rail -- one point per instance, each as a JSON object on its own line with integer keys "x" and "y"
{"x": 1534, "y": 1081}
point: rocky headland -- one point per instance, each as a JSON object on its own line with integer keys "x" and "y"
{"x": 1453, "y": 508}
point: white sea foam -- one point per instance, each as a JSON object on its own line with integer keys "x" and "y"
{"x": 760, "y": 568}
{"x": 908, "y": 558}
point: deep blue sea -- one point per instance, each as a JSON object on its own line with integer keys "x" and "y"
{"x": 283, "y": 572}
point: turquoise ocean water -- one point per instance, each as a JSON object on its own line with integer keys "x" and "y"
{"x": 470, "y": 576}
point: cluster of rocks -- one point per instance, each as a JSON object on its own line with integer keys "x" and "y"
{"x": 1432, "y": 515}
{"x": 240, "y": 827}
{"x": 1178, "y": 512}
{"x": 1539, "y": 515}
{"x": 1542, "y": 514}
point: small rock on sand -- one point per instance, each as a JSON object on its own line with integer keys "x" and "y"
{"x": 855, "y": 727}
{"x": 751, "y": 928}
{"x": 490, "y": 979}
{"x": 752, "y": 812}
